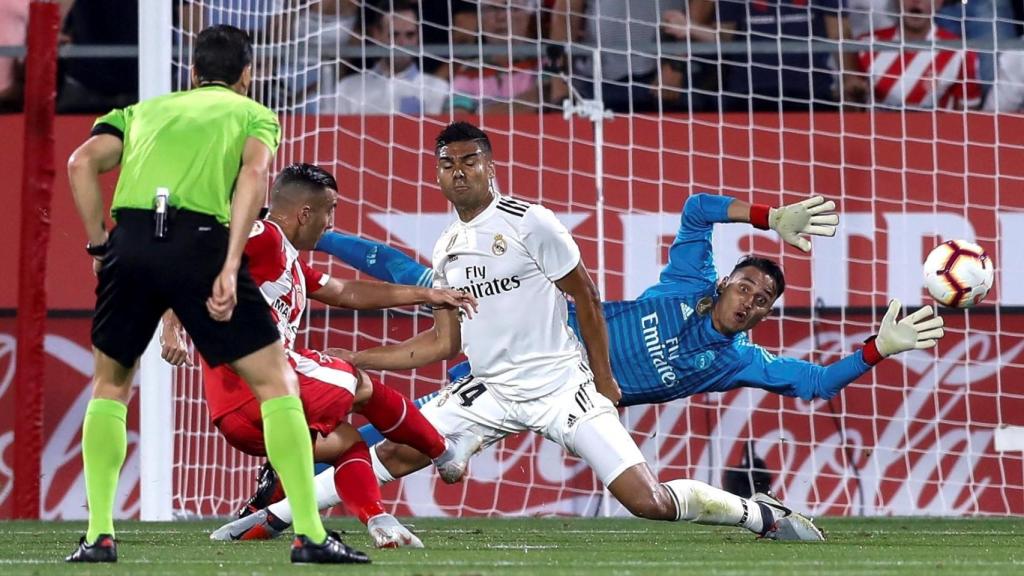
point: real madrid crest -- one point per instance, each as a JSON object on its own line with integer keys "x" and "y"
{"x": 500, "y": 246}
{"x": 704, "y": 305}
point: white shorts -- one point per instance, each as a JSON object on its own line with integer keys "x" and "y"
{"x": 466, "y": 410}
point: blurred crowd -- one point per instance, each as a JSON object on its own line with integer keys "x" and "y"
{"x": 431, "y": 56}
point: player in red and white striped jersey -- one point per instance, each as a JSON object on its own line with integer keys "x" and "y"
{"x": 303, "y": 199}
{"x": 941, "y": 78}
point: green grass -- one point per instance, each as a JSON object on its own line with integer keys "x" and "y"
{"x": 540, "y": 547}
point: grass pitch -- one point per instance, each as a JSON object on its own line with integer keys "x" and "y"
{"x": 550, "y": 546}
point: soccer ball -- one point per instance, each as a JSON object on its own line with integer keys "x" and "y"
{"x": 958, "y": 273}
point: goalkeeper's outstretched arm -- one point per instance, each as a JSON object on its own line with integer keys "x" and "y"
{"x": 792, "y": 377}
{"x": 378, "y": 260}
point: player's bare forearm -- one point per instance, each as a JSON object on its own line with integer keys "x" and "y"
{"x": 442, "y": 342}
{"x": 590, "y": 317}
{"x": 97, "y": 155}
{"x": 250, "y": 193}
{"x": 368, "y": 295}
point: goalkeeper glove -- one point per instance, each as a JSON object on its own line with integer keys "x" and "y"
{"x": 919, "y": 331}
{"x": 793, "y": 221}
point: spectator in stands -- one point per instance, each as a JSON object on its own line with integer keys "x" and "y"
{"x": 628, "y": 32}
{"x": 502, "y": 82}
{"x": 13, "y": 24}
{"x": 979, "y": 20}
{"x": 911, "y": 78}
{"x": 99, "y": 84}
{"x": 1007, "y": 94}
{"x": 697, "y": 73}
{"x": 782, "y": 77}
{"x": 395, "y": 83}
{"x": 868, "y": 16}
{"x": 453, "y": 21}
{"x": 321, "y": 31}
{"x": 460, "y": 27}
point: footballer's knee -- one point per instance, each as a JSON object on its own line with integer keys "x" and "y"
{"x": 400, "y": 459}
{"x": 111, "y": 379}
{"x": 652, "y": 505}
{"x": 364, "y": 390}
{"x": 639, "y": 492}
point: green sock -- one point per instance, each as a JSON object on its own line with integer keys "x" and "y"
{"x": 290, "y": 451}
{"x": 104, "y": 443}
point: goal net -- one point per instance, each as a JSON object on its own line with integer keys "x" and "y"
{"x": 756, "y": 100}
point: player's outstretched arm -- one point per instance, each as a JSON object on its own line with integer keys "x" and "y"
{"x": 794, "y": 222}
{"x": 442, "y": 342}
{"x": 376, "y": 259}
{"x": 590, "y": 317}
{"x": 793, "y": 377}
{"x": 363, "y": 295}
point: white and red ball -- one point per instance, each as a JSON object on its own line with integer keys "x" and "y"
{"x": 958, "y": 273}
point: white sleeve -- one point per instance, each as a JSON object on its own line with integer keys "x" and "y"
{"x": 549, "y": 243}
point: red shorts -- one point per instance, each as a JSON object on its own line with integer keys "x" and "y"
{"x": 326, "y": 387}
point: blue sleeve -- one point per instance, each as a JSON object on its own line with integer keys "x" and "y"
{"x": 690, "y": 259}
{"x": 799, "y": 378}
{"x": 378, "y": 260}
{"x": 460, "y": 370}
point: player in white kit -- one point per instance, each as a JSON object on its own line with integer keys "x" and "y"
{"x": 529, "y": 371}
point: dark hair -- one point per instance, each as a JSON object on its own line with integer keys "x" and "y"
{"x": 221, "y": 53}
{"x": 462, "y": 132}
{"x": 374, "y": 12}
{"x": 767, "y": 266}
{"x": 306, "y": 175}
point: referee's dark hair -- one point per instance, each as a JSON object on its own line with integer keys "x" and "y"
{"x": 462, "y": 132}
{"x": 769, "y": 267}
{"x": 307, "y": 177}
{"x": 221, "y": 54}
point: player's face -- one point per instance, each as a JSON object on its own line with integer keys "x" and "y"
{"x": 746, "y": 299}
{"x": 464, "y": 172}
{"x": 318, "y": 218}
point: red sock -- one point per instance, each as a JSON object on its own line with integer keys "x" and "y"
{"x": 356, "y": 484}
{"x": 398, "y": 420}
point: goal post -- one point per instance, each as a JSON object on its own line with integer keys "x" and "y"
{"x": 156, "y": 392}
{"x": 924, "y": 433}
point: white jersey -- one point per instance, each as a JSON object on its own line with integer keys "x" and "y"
{"x": 509, "y": 257}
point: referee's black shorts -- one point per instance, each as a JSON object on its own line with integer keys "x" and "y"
{"x": 142, "y": 277}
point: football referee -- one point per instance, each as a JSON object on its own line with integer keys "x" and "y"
{"x": 194, "y": 169}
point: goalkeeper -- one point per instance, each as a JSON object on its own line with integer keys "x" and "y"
{"x": 685, "y": 335}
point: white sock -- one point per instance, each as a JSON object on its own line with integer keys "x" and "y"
{"x": 383, "y": 476}
{"x": 701, "y": 503}
{"x": 326, "y": 496}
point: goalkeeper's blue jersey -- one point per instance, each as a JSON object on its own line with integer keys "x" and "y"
{"x": 663, "y": 345}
